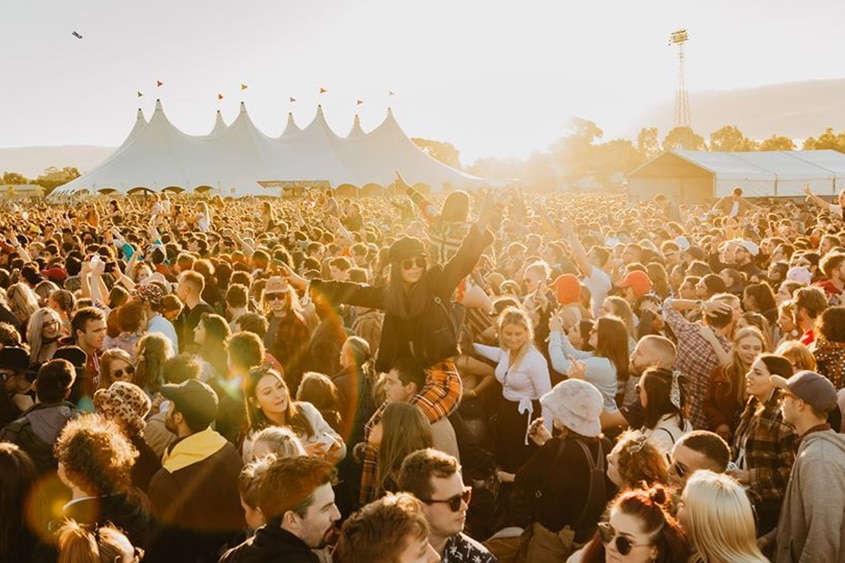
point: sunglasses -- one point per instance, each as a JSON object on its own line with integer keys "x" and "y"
{"x": 679, "y": 469}
{"x": 409, "y": 263}
{"x": 127, "y": 371}
{"x": 455, "y": 501}
{"x": 623, "y": 544}
{"x": 275, "y": 296}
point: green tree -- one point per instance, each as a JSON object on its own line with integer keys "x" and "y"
{"x": 573, "y": 154}
{"x": 777, "y": 143}
{"x": 12, "y": 178}
{"x": 683, "y": 138}
{"x": 440, "y": 150}
{"x": 827, "y": 140}
{"x": 616, "y": 156}
{"x": 52, "y": 177}
{"x": 730, "y": 139}
{"x": 648, "y": 143}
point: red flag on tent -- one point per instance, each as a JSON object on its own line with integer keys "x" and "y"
{"x": 323, "y": 90}
{"x": 359, "y": 101}
{"x": 159, "y": 83}
{"x": 219, "y": 97}
{"x": 244, "y": 86}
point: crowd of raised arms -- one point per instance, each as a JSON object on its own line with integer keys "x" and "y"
{"x": 475, "y": 377}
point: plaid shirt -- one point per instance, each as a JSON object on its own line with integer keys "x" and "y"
{"x": 437, "y": 400}
{"x": 769, "y": 447}
{"x": 696, "y": 360}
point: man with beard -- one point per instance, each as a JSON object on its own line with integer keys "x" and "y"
{"x": 195, "y": 493}
{"x": 297, "y": 500}
{"x": 651, "y": 351}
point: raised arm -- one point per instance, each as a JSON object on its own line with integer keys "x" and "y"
{"x": 578, "y": 251}
{"x": 816, "y": 199}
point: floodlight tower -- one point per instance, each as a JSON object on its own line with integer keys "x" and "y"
{"x": 682, "y": 112}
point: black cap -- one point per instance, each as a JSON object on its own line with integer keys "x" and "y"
{"x": 195, "y": 400}
{"x": 406, "y": 247}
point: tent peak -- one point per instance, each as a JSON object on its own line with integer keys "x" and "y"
{"x": 158, "y": 104}
{"x": 243, "y": 107}
{"x": 140, "y": 114}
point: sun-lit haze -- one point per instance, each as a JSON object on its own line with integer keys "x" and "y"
{"x": 493, "y": 78}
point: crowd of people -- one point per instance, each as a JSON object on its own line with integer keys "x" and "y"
{"x": 470, "y": 378}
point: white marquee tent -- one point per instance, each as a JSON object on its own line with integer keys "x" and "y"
{"x": 232, "y": 159}
{"x": 696, "y": 176}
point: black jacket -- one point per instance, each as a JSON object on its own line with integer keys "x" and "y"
{"x": 271, "y": 543}
{"x": 429, "y": 337}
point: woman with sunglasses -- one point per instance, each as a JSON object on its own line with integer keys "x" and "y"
{"x": 639, "y": 530}
{"x": 717, "y": 517}
{"x": 42, "y": 333}
{"x": 115, "y": 365}
{"x": 419, "y": 323}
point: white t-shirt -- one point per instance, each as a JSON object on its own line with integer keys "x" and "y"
{"x": 599, "y": 284}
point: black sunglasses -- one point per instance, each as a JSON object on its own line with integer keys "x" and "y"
{"x": 623, "y": 544}
{"x": 124, "y": 371}
{"x": 275, "y": 296}
{"x": 455, "y": 501}
{"x": 409, "y": 263}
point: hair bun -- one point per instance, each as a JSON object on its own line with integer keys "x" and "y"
{"x": 657, "y": 495}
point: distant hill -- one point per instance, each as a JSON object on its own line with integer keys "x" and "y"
{"x": 31, "y": 161}
{"x": 794, "y": 109}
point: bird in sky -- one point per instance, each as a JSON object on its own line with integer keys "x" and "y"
{"x": 77, "y": 34}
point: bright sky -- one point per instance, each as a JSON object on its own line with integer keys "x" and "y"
{"x": 493, "y": 77}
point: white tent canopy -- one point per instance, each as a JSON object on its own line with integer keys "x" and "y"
{"x": 233, "y": 159}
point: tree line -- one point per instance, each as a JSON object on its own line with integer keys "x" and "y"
{"x": 581, "y": 155}
{"x": 50, "y": 179}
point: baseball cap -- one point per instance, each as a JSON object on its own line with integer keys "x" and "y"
{"x": 567, "y": 289}
{"x": 814, "y": 389}
{"x": 195, "y": 400}
{"x": 637, "y": 280}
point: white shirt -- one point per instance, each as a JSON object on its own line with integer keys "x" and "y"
{"x": 525, "y": 382}
{"x": 599, "y": 284}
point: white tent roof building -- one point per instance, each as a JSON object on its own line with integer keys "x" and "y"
{"x": 232, "y": 160}
{"x": 696, "y": 175}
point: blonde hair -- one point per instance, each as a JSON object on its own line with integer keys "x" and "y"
{"x": 720, "y": 521}
{"x": 798, "y": 355}
{"x": 516, "y": 316}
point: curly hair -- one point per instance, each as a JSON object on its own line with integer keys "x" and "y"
{"x": 96, "y": 455}
{"x": 378, "y": 532}
{"x": 639, "y": 461}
